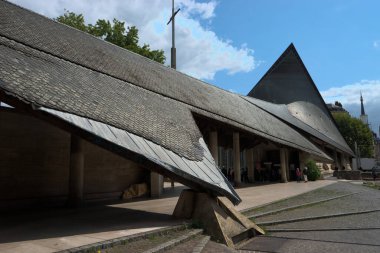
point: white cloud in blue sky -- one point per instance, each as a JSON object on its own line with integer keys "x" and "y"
{"x": 200, "y": 52}
{"x": 349, "y": 96}
{"x": 376, "y": 44}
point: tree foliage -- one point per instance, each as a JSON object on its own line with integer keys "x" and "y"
{"x": 353, "y": 130}
{"x": 114, "y": 32}
{"x": 313, "y": 172}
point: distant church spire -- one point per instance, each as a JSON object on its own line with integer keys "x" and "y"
{"x": 363, "y": 116}
{"x": 362, "y": 105}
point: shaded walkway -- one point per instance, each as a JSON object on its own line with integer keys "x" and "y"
{"x": 51, "y": 230}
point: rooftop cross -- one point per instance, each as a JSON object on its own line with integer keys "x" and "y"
{"x": 173, "y": 62}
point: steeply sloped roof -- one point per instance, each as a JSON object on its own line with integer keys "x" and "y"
{"x": 57, "y": 67}
{"x": 289, "y": 83}
{"x": 188, "y": 169}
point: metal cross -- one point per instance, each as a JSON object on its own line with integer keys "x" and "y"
{"x": 173, "y": 62}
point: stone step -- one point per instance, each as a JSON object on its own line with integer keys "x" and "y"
{"x": 172, "y": 243}
{"x": 242, "y": 237}
{"x": 185, "y": 232}
{"x": 194, "y": 245}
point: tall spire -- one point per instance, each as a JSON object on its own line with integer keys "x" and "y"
{"x": 363, "y": 116}
{"x": 362, "y": 106}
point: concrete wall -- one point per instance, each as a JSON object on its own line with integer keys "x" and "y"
{"x": 34, "y": 163}
{"x": 107, "y": 174}
{"x": 366, "y": 163}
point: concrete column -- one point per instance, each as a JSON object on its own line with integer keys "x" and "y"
{"x": 283, "y": 165}
{"x": 250, "y": 165}
{"x": 76, "y": 171}
{"x": 214, "y": 146}
{"x": 336, "y": 160}
{"x": 236, "y": 150}
{"x": 301, "y": 160}
{"x": 287, "y": 164}
{"x": 156, "y": 184}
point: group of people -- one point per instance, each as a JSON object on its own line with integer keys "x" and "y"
{"x": 301, "y": 174}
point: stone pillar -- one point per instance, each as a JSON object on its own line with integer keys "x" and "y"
{"x": 236, "y": 152}
{"x": 76, "y": 171}
{"x": 283, "y": 165}
{"x": 250, "y": 165}
{"x": 156, "y": 184}
{"x": 214, "y": 146}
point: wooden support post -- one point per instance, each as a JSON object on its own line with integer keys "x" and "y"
{"x": 76, "y": 171}
{"x": 250, "y": 165}
{"x": 283, "y": 165}
{"x": 236, "y": 148}
{"x": 156, "y": 185}
{"x": 214, "y": 146}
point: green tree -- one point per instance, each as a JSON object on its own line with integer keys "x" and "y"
{"x": 313, "y": 172}
{"x": 353, "y": 130}
{"x": 114, "y": 32}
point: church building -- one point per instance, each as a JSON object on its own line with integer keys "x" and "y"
{"x": 84, "y": 120}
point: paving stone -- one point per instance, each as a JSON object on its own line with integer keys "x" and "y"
{"x": 363, "y": 239}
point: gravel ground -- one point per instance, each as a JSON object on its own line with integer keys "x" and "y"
{"x": 366, "y": 239}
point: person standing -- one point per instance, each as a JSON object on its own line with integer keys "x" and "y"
{"x": 304, "y": 172}
{"x": 298, "y": 174}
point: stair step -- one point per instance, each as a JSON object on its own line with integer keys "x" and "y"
{"x": 200, "y": 246}
{"x": 243, "y": 236}
{"x": 170, "y": 244}
{"x": 136, "y": 239}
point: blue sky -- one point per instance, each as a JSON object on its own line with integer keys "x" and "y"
{"x": 231, "y": 44}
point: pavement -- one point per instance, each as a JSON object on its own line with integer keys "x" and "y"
{"x": 55, "y": 229}
{"x": 339, "y": 225}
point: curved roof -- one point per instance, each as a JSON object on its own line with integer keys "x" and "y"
{"x": 56, "y": 67}
{"x": 297, "y": 113}
{"x": 288, "y": 83}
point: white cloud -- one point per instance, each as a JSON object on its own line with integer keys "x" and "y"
{"x": 349, "y": 96}
{"x": 200, "y": 52}
{"x": 376, "y": 44}
{"x": 205, "y": 10}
